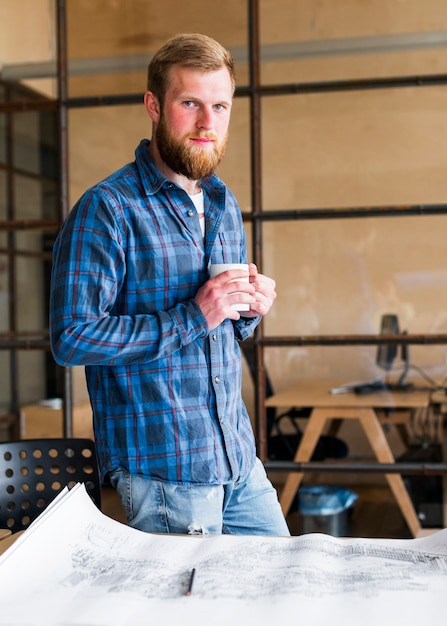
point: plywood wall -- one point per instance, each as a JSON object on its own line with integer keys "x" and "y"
{"x": 362, "y": 148}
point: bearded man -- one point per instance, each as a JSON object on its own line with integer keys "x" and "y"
{"x": 132, "y": 301}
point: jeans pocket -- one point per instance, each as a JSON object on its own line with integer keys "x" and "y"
{"x": 120, "y": 480}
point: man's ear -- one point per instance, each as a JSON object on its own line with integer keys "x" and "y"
{"x": 152, "y": 106}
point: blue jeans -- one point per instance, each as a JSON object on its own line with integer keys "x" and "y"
{"x": 248, "y": 507}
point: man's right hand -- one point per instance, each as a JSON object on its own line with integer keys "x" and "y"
{"x": 218, "y": 295}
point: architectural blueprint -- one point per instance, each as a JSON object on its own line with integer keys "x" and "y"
{"x": 76, "y": 566}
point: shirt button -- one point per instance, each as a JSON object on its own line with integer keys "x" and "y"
{"x": 214, "y": 337}
{"x": 190, "y": 213}
{"x": 217, "y": 380}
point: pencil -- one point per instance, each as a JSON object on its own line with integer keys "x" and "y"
{"x": 191, "y": 582}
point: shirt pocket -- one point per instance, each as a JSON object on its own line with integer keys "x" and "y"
{"x": 230, "y": 248}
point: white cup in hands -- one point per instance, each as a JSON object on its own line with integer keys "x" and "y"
{"x": 218, "y": 268}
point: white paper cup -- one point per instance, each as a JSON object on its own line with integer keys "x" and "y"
{"x": 218, "y": 268}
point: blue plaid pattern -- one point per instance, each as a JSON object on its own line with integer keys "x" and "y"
{"x": 165, "y": 391}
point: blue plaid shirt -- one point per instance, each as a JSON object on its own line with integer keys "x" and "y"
{"x": 165, "y": 391}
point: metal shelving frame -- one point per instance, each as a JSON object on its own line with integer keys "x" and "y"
{"x": 255, "y": 92}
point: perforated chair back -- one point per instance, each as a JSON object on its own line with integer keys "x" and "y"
{"x": 34, "y": 471}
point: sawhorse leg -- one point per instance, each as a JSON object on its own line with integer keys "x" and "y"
{"x": 379, "y": 444}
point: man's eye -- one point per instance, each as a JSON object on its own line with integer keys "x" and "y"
{"x": 219, "y": 107}
{"x": 189, "y": 103}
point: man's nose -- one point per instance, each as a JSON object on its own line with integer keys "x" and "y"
{"x": 205, "y": 118}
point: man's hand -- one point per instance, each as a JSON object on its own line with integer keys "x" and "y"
{"x": 264, "y": 293}
{"x": 218, "y": 295}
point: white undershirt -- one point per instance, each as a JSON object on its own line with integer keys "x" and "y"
{"x": 197, "y": 200}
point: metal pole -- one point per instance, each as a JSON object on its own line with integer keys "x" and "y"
{"x": 62, "y": 83}
{"x": 426, "y": 469}
{"x": 256, "y": 197}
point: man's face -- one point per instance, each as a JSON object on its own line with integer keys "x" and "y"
{"x": 192, "y": 131}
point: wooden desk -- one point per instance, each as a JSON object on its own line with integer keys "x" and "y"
{"x": 327, "y": 406}
{"x": 7, "y": 539}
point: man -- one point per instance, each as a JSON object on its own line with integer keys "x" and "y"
{"x": 132, "y": 300}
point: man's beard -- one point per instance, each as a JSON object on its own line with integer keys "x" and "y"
{"x": 191, "y": 161}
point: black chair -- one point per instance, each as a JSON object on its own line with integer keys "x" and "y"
{"x": 283, "y": 440}
{"x": 34, "y": 471}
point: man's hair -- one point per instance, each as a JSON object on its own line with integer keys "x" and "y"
{"x": 194, "y": 51}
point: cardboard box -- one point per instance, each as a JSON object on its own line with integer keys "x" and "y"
{"x": 46, "y": 420}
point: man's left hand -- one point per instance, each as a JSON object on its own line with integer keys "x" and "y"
{"x": 265, "y": 293}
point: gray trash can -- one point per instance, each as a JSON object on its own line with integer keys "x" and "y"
{"x": 325, "y": 509}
